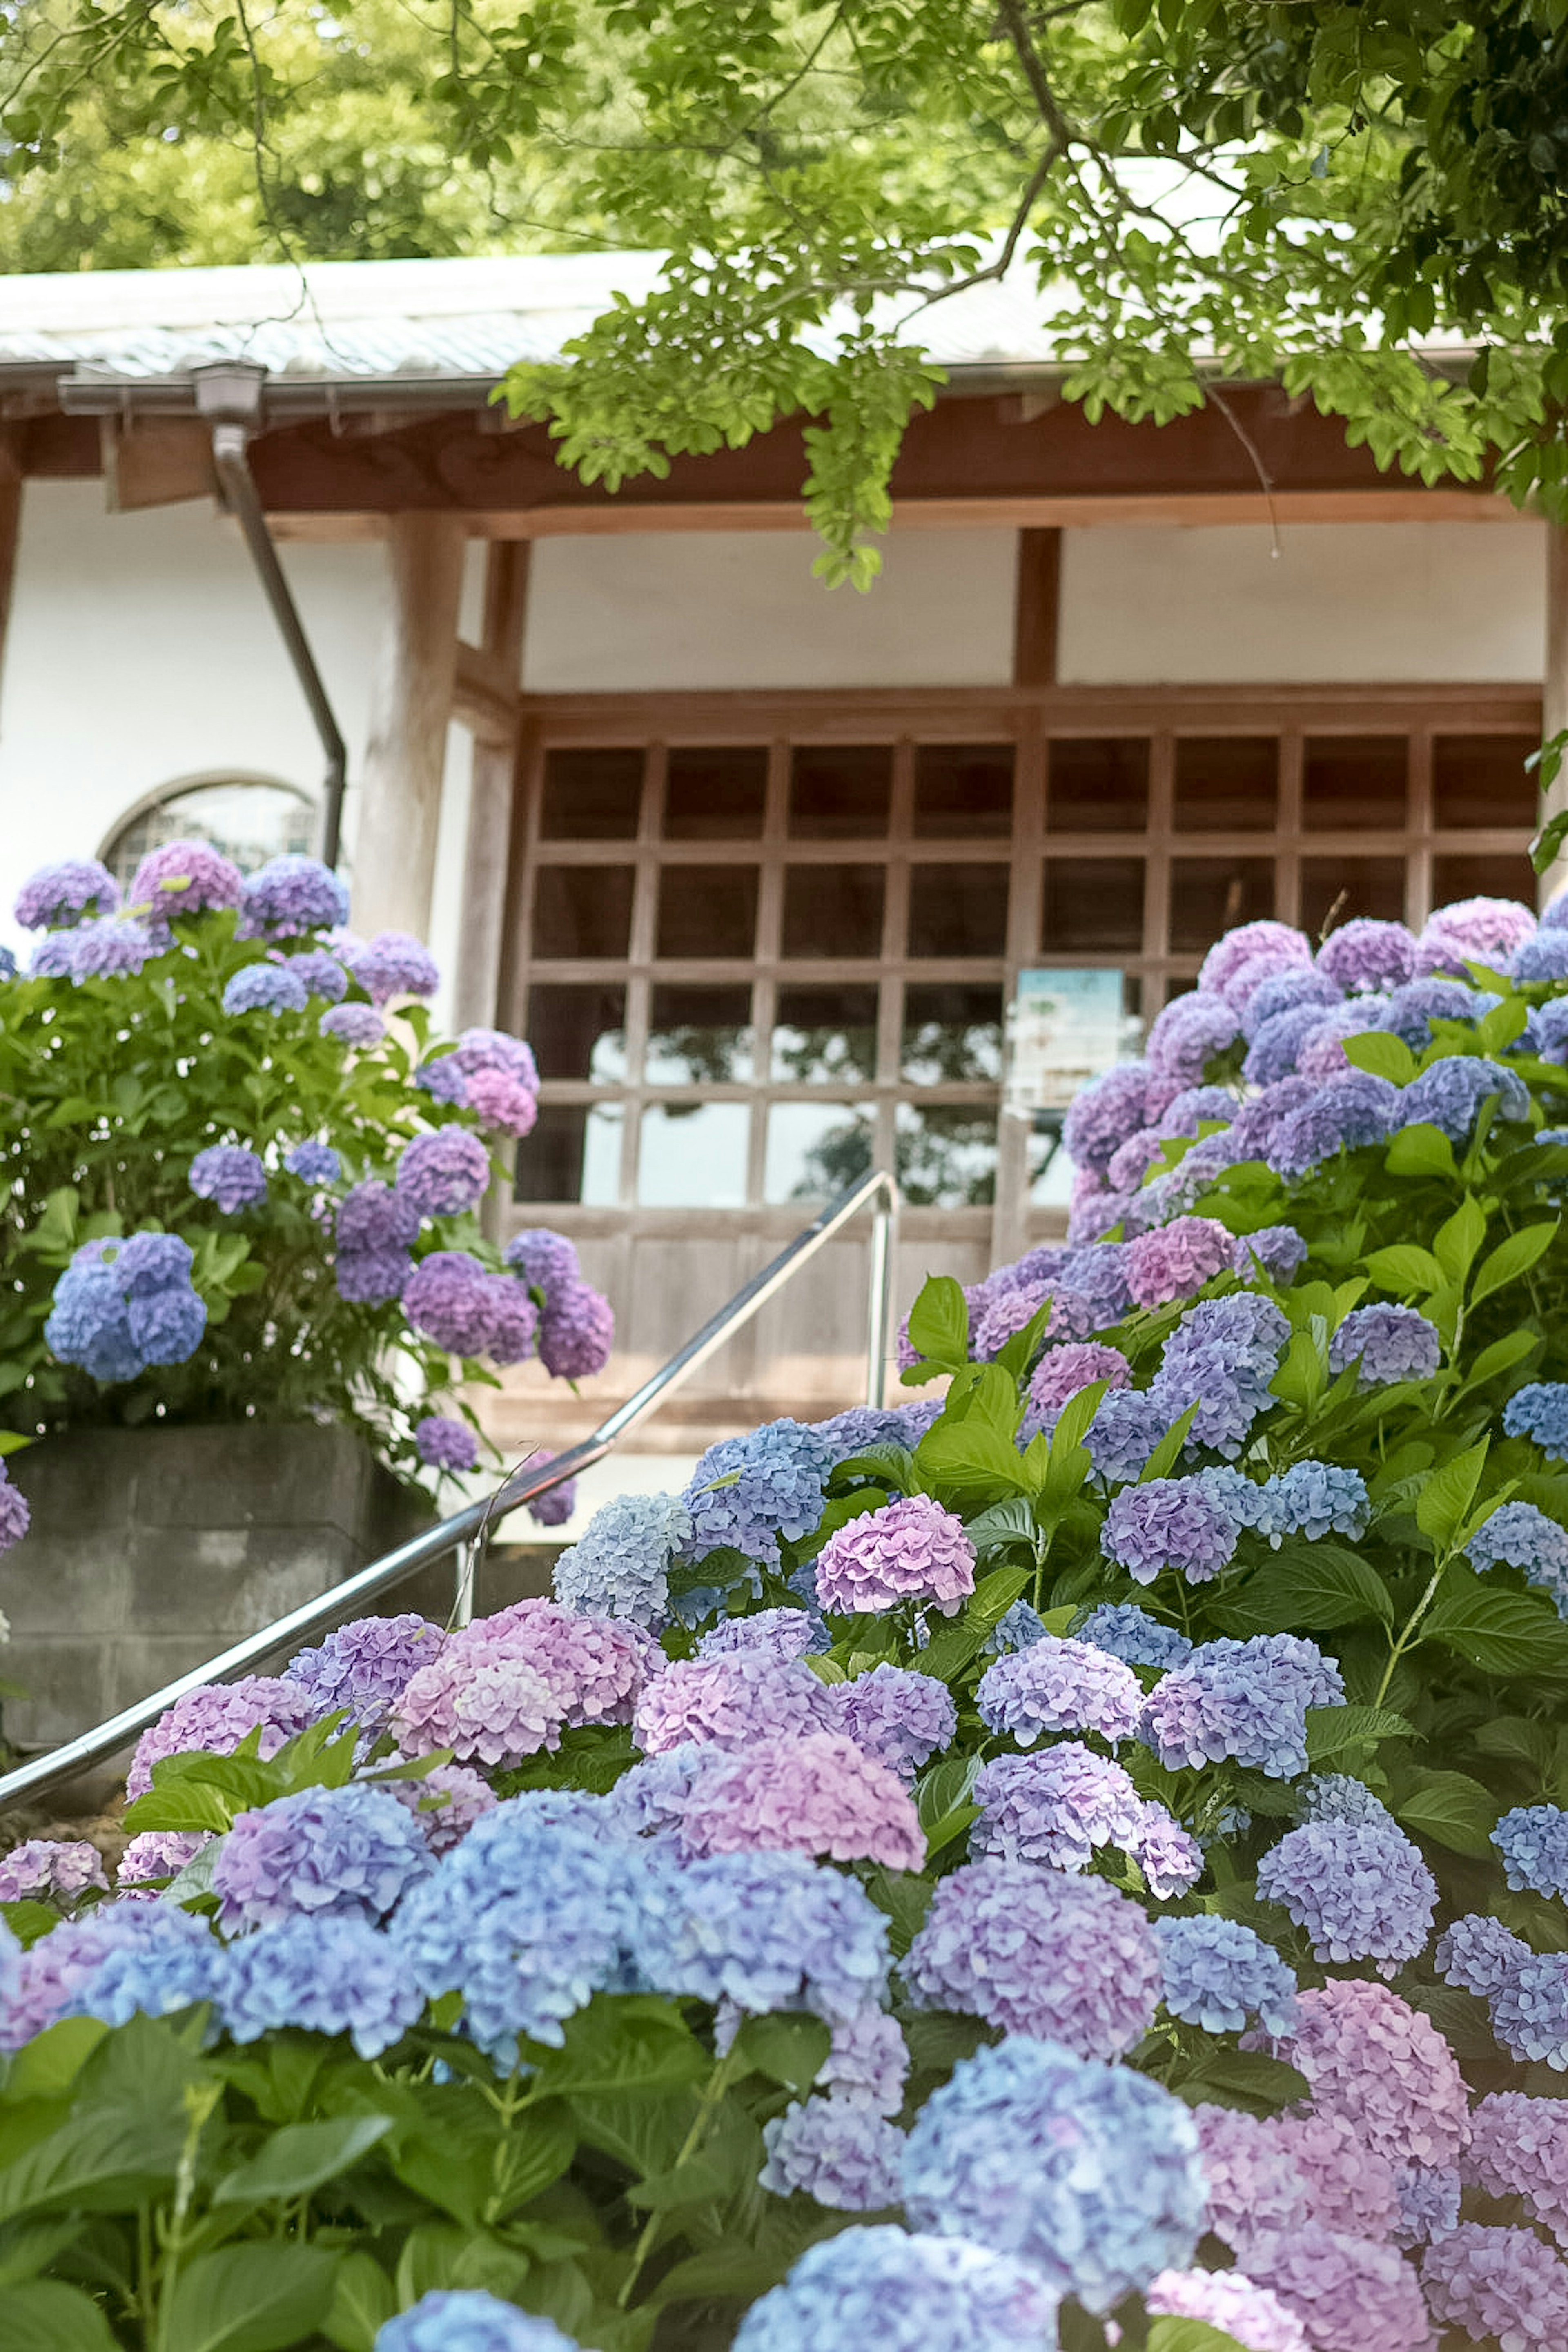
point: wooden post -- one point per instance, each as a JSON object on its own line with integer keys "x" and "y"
{"x": 1554, "y": 689}
{"x": 10, "y": 532}
{"x": 1036, "y": 608}
{"x": 411, "y": 705}
{"x": 496, "y": 728}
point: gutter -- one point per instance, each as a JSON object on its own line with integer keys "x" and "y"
{"x": 228, "y": 396}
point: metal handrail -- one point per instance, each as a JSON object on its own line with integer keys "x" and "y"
{"x": 468, "y": 1531}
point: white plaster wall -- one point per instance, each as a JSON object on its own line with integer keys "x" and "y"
{"x": 1341, "y": 601}
{"x": 141, "y": 652}
{"x": 678, "y": 609}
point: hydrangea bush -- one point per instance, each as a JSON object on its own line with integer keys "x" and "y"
{"x": 1079, "y": 1859}
{"x": 244, "y": 1178}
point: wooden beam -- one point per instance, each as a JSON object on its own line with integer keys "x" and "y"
{"x": 1182, "y": 510}
{"x": 411, "y": 706}
{"x": 484, "y": 696}
{"x": 492, "y": 781}
{"x": 154, "y": 461}
{"x": 1037, "y": 608}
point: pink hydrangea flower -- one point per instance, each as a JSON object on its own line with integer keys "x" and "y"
{"x": 217, "y": 1717}
{"x": 1350, "y": 2187}
{"x": 1174, "y": 1261}
{"x": 155, "y": 1854}
{"x": 510, "y": 1685}
{"x": 1252, "y": 2181}
{"x": 1519, "y": 2148}
{"x": 446, "y": 1802}
{"x": 910, "y": 1550}
{"x": 1349, "y": 2294}
{"x": 1371, "y": 2058}
{"x": 1231, "y": 2302}
{"x": 731, "y": 1700}
{"x": 44, "y": 1870}
{"x": 1500, "y": 2285}
{"x": 1062, "y": 1372}
{"x": 820, "y": 1795}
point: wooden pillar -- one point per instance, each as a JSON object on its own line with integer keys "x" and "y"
{"x": 494, "y": 777}
{"x": 411, "y": 705}
{"x": 1037, "y": 608}
{"x": 1554, "y": 689}
{"x": 10, "y": 532}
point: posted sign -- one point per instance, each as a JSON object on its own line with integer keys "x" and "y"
{"x": 1063, "y": 1029}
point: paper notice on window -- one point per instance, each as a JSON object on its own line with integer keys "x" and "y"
{"x": 1063, "y": 1029}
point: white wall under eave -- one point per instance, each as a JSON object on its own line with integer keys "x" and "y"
{"x": 651, "y": 611}
{"x": 1341, "y": 603}
{"x": 140, "y": 651}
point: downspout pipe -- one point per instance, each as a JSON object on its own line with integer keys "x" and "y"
{"x": 228, "y": 395}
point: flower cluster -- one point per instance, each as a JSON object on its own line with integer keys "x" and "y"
{"x": 121, "y": 1306}
{"x": 910, "y": 1550}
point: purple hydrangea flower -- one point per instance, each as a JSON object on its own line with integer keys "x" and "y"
{"x": 1104, "y": 1114}
{"x": 15, "y": 1517}
{"x": 1222, "y": 1356}
{"x": 51, "y": 958}
{"x": 446, "y": 1445}
{"x": 731, "y": 1700}
{"x": 1277, "y": 1044}
{"x": 554, "y": 1505}
{"x": 1449, "y": 1093}
{"x": 1360, "y": 1889}
{"x": 46, "y": 1870}
{"x": 1218, "y": 1974}
{"x": 1276, "y": 1251}
{"x": 354, "y": 1851}
{"x": 393, "y": 964}
{"x": 839, "y": 2151}
{"x": 1411, "y": 1010}
{"x": 1056, "y": 1809}
{"x": 1169, "y": 1523}
{"x": 360, "y": 1026}
{"x": 230, "y": 1175}
{"x": 1346, "y": 2292}
{"x": 444, "y": 1174}
{"x": 1192, "y": 1110}
{"x": 903, "y": 2294}
{"x": 546, "y": 1261}
{"x": 1063, "y": 1370}
{"x": 1345, "y": 1114}
{"x": 1539, "y": 1410}
{"x": 1258, "y": 1121}
{"x": 1497, "y": 2284}
{"x": 289, "y": 897}
{"x": 781, "y": 1634}
{"x": 154, "y": 1854}
{"x": 1478, "y": 1952}
{"x": 453, "y": 1300}
{"x": 265, "y": 987}
{"x": 322, "y": 974}
{"x": 1059, "y": 1686}
{"x": 59, "y": 896}
{"x": 1388, "y": 1344}
{"x": 1385, "y": 2067}
{"x": 1125, "y": 1430}
{"x": 322, "y": 1972}
{"x": 1246, "y": 1699}
{"x": 1427, "y": 2196}
{"x": 217, "y": 1717}
{"x": 185, "y": 878}
{"x": 372, "y": 1231}
{"x": 1545, "y": 957}
{"x": 1034, "y": 1951}
{"x": 910, "y": 1550}
{"x": 363, "y": 1665}
{"x": 1321, "y": 1054}
{"x": 900, "y": 1719}
{"x": 1519, "y": 2148}
{"x": 1519, "y": 1535}
{"x": 1252, "y": 2181}
{"x": 1285, "y": 991}
{"x": 1174, "y": 1261}
{"x": 313, "y": 1163}
{"x": 114, "y": 948}
{"x": 1475, "y": 930}
{"x": 1231, "y": 2302}
{"x": 445, "y": 1801}
{"x": 507, "y": 1686}
{"x": 867, "y": 2060}
{"x": 1091, "y": 1292}
{"x": 1533, "y": 1843}
{"x": 816, "y": 1794}
{"x": 1545, "y": 1033}
{"x": 1262, "y": 936}
{"x": 1188, "y": 1034}
{"x": 1131, "y": 1635}
{"x": 1530, "y": 2010}
{"x": 1088, "y": 2172}
{"x": 1349, "y": 2188}
{"x": 576, "y": 1332}
{"x": 116, "y": 1960}
{"x": 1364, "y": 954}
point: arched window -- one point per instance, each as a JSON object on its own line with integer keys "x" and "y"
{"x": 249, "y": 818}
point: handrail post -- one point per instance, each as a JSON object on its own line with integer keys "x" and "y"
{"x": 469, "y": 1555}
{"x": 878, "y": 1300}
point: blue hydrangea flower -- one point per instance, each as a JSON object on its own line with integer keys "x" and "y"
{"x": 110, "y": 950}
{"x": 1545, "y": 1033}
{"x": 1533, "y": 1843}
{"x": 1059, "y": 1686}
{"x": 1286, "y": 992}
{"x": 1088, "y": 2172}
{"x": 1387, "y": 1343}
{"x": 765, "y": 1931}
{"x": 1429, "y": 2197}
{"x": 1340, "y": 1797}
{"x": 120, "y": 1306}
{"x": 230, "y": 1175}
{"x": 619, "y": 1565}
{"x": 1478, "y": 1953}
{"x": 1218, "y": 1974}
{"x": 1131, "y": 1633}
{"x": 353, "y": 1850}
{"x": 1243, "y": 1699}
{"x": 265, "y": 987}
{"x": 1449, "y": 1093}
{"x": 322, "y": 974}
{"x": 313, "y": 1163}
{"x": 1125, "y": 1430}
{"x": 903, "y": 2293}
{"x": 1313, "y": 1500}
{"x": 746, "y": 1492}
{"x": 332, "y": 1975}
{"x": 1222, "y": 1356}
{"x": 1413, "y": 1009}
{"x": 1277, "y": 1042}
{"x": 1530, "y": 2010}
{"x": 289, "y": 897}
{"x": 839, "y": 2150}
{"x": 1015, "y": 1629}
{"x": 1169, "y": 1523}
{"x": 1545, "y": 957}
{"x": 1343, "y": 1114}
{"x": 1360, "y": 1889}
{"x": 467, "y": 2319}
{"x": 1519, "y": 1535}
{"x": 165, "y": 1962}
{"x": 1539, "y": 1410}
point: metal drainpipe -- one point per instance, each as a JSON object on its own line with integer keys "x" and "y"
{"x": 228, "y": 394}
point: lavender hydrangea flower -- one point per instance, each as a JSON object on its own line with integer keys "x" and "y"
{"x": 365, "y": 1664}
{"x": 1245, "y": 1699}
{"x": 1174, "y": 1261}
{"x": 1231, "y": 2302}
{"x": 59, "y": 896}
{"x": 576, "y": 1333}
{"x": 470, "y": 2319}
{"x": 1063, "y": 1370}
{"x": 446, "y": 1445}
{"x": 185, "y": 878}
{"x": 1124, "y": 1433}
{"x": 1251, "y": 2178}
{"x": 1188, "y": 1034}
{"x": 764, "y": 1931}
{"x": 1169, "y": 1523}
{"x": 731, "y": 1700}
{"x": 265, "y": 987}
{"x": 1217, "y": 1974}
{"x": 1497, "y": 2284}
{"x": 1519, "y": 1535}
{"x": 50, "y": 1870}
{"x": 1345, "y": 1114}
{"x": 119, "y": 1958}
{"x": 289, "y": 897}
{"x": 1385, "y": 2068}
{"x": 1347, "y": 2291}
{"x": 1056, "y": 1809}
{"x": 1059, "y": 1686}
{"x": 553, "y": 1505}
{"x": 903, "y": 2293}
{"x": 1313, "y": 1500}
{"x": 1530, "y": 2010}
{"x": 230, "y": 1175}
{"x": 360, "y": 1026}
{"x": 1131, "y": 1633}
{"x": 1477, "y": 930}
{"x": 1338, "y": 1797}
{"x": 1222, "y": 1356}
{"x": 1427, "y": 2197}
{"x": 454, "y": 1300}
{"x": 1545, "y": 1034}
{"x": 15, "y": 1517}
{"x": 1366, "y": 954}
{"x": 444, "y": 1174}
{"x": 393, "y": 964}
{"x": 910, "y": 1550}
{"x": 322, "y": 975}
{"x": 373, "y": 1229}
{"x": 1104, "y": 1114}
{"x": 1092, "y": 1292}
{"x": 1257, "y": 1121}
{"x": 1412, "y": 1009}
{"x": 900, "y": 1719}
{"x": 507, "y": 1686}
{"x": 217, "y": 1717}
{"x": 326, "y": 1973}
{"x": 839, "y": 2151}
{"x": 114, "y": 948}
{"x": 1276, "y": 1252}
{"x": 1539, "y": 1410}
{"x": 813, "y": 1794}
{"x": 352, "y": 1851}
{"x": 1519, "y": 2148}
{"x": 619, "y": 1565}
{"x": 154, "y": 1854}
{"x": 1360, "y": 1889}
{"x": 1236, "y": 948}
{"x": 1277, "y": 1042}
{"x": 1285, "y": 991}
{"x": 1478, "y": 1953}
{"x": 1322, "y": 1053}
{"x": 1349, "y": 2188}
{"x": 1035, "y": 1952}
{"x": 1386, "y": 1343}
{"x": 313, "y": 1163}
{"x": 867, "y": 2059}
{"x": 546, "y": 1261}
{"x": 1088, "y": 2172}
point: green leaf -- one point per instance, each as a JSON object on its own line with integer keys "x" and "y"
{"x": 1315, "y": 1585}
{"x": 1244, "y": 2078}
{"x": 788, "y": 2047}
{"x": 1502, "y": 1355}
{"x": 1452, "y": 1809}
{"x": 1456, "y": 1240}
{"x": 694, "y": 2183}
{"x": 1500, "y": 1631}
{"x": 939, "y": 1322}
{"x": 1161, "y": 1462}
{"x": 1010, "y": 1521}
{"x": 252, "y": 2298}
{"x": 1512, "y": 1258}
{"x": 622, "y": 2042}
{"x": 1384, "y": 1055}
{"x": 364, "y": 2300}
{"x": 46, "y": 2315}
{"x": 952, "y": 1646}
{"x": 1421, "y": 1150}
{"x": 46, "y": 2066}
{"x": 1350, "y": 1730}
{"x": 28, "y": 1920}
{"x": 300, "y": 2158}
{"x": 1405, "y": 1270}
{"x": 1168, "y": 2334}
{"x": 441, "y": 2254}
{"x": 942, "y": 1802}
{"x": 1447, "y": 1492}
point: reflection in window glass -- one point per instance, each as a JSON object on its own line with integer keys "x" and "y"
{"x": 1097, "y": 783}
{"x": 247, "y": 823}
{"x": 572, "y": 1154}
{"x": 1336, "y": 889}
{"x": 958, "y": 910}
{"x": 1354, "y": 784}
{"x": 825, "y": 1035}
{"x": 590, "y": 795}
{"x": 951, "y": 1031}
{"x": 841, "y": 792}
{"x": 1509, "y": 875}
{"x": 693, "y": 1156}
{"x": 713, "y": 794}
{"x": 582, "y": 910}
{"x": 945, "y": 1155}
{"x": 962, "y": 790}
{"x": 814, "y": 1150}
{"x": 1051, "y": 1169}
{"x": 699, "y": 1036}
{"x": 1482, "y": 780}
{"x": 832, "y": 910}
{"x": 1226, "y": 784}
{"x": 707, "y": 910}
{"x": 1096, "y": 903}
{"x": 578, "y": 1032}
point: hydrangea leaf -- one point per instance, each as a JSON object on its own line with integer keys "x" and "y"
{"x": 300, "y": 2158}
{"x": 1445, "y": 1499}
{"x": 792, "y": 2049}
{"x": 1453, "y": 1809}
{"x": 1384, "y": 1055}
{"x": 1423, "y": 1151}
{"x": 1318, "y": 1585}
{"x": 364, "y": 2300}
{"x": 1500, "y": 1632}
{"x": 46, "y": 2315}
{"x": 939, "y": 1323}
{"x": 1512, "y": 1258}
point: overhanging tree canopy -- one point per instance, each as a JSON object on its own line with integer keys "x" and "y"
{"x": 1368, "y": 200}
